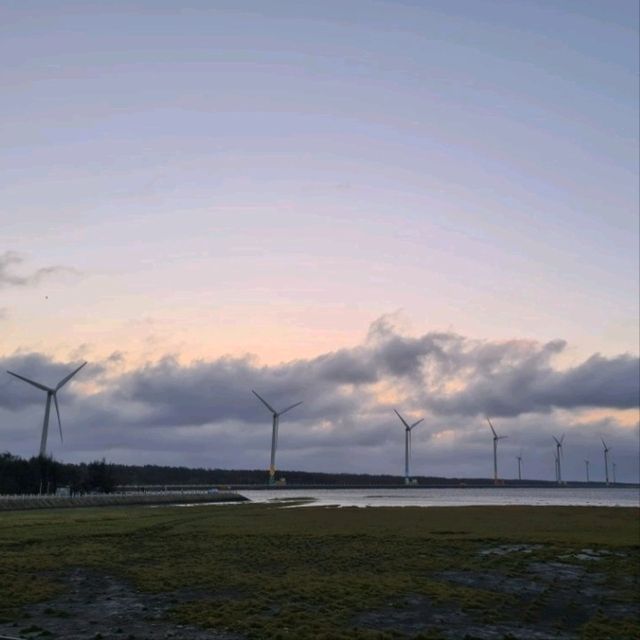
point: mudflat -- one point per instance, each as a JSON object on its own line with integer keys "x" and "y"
{"x": 269, "y": 571}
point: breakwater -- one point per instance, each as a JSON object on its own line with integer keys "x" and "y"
{"x": 15, "y": 503}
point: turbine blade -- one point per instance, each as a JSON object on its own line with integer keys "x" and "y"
{"x": 291, "y": 407}
{"x": 605, "y": 444}
{"x": 55, "y": 401}
{"x": 67, "y": 378}
{"x": 31, "y": 382}
{"x": 556, "y": 439}
{"x": 264, "y": 402}
{"x": 562, "y": 438}
{"x": 415, "y": 424}
{"x": 501, "y": 437}
{"x": 495, "y": 435}
{"x": 404, "y": 422}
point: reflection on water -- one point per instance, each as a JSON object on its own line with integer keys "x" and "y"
{"x": 596, "y": 497}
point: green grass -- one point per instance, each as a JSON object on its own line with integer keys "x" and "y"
{"x": 271, "y": 573}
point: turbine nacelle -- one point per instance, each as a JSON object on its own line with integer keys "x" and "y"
{"x": 559, "y": 444}
{"x": 496, "y": 437}
{"x": 273, "y": 411}
{"x": 408, "y": 426}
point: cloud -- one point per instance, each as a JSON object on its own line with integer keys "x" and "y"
{"x": 203, "y": 412}
{"x": 10, "y": 259}
{"x": 522, "y": 380}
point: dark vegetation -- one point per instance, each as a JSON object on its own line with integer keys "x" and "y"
{"x": 262, "y": 572}
{"x": 44, "y": 475}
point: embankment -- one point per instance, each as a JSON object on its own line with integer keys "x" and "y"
{"x": 19, "y": 503}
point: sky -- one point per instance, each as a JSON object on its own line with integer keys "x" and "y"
{"x": 364, "y": 205}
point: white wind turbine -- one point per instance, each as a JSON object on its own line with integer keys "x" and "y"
{"x": 520, "y": 466}
{"x": 274, "y": 433}
{"x": 606, "y": 461}
{"x": 496, "y": 437}
{"x": 407, "y": 444}
{"x": 586, "y": 464}
{"x": 559, "y": 454}
{"x": 52, "y": 393}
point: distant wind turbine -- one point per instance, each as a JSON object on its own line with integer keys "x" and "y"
{"x": 586, "y": 464}
{"x": 606, "y": 461}
{"x": 274, "y": 433}
{"x": 559, "y": 455}
{"x": 407, "y": 444}
{"x": 52, "y": 393}
{"x": 496, "y": 437}
{"x": 520, "y": 466}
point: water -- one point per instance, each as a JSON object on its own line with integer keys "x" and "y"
{"x": 463, "y": 497}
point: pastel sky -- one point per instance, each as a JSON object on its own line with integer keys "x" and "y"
{"x": 255, "y": 189}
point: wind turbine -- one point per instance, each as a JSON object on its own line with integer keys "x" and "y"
{"x": 274, "y": 433}
{"x": 52, "y": 393}
{"x": 407, "y": 443}
{"x": 586, "y": 464}
{"x": 606, "y": 461}
{"x": 496, "y": 437}
{"x": 520, "y": 466}
{"x": 559, "y": 454}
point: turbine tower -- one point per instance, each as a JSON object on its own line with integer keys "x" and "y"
{"x": 496, "y": 437}
{"x": 606, "y": 461}
{"x": 274, "y": 433}
{"x": 407, "y": 444}
{"x": 52, "y": 393}
{"x": 559, "y": 454}
{"x": 586, "y": 464}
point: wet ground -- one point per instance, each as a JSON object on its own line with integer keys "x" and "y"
{"x": 549, "y": 599}
{"x": 100, "y": 607}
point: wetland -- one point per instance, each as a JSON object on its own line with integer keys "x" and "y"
{"x": 261, "y": 571}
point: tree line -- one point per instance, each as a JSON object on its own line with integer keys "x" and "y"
{"x": 42, "y": 474}
{"x": 46, "y": 475}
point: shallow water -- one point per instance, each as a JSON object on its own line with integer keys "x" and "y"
{"x": 458, "y": 497}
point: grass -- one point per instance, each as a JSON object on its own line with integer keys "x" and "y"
{"x": 270, "y": 573}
